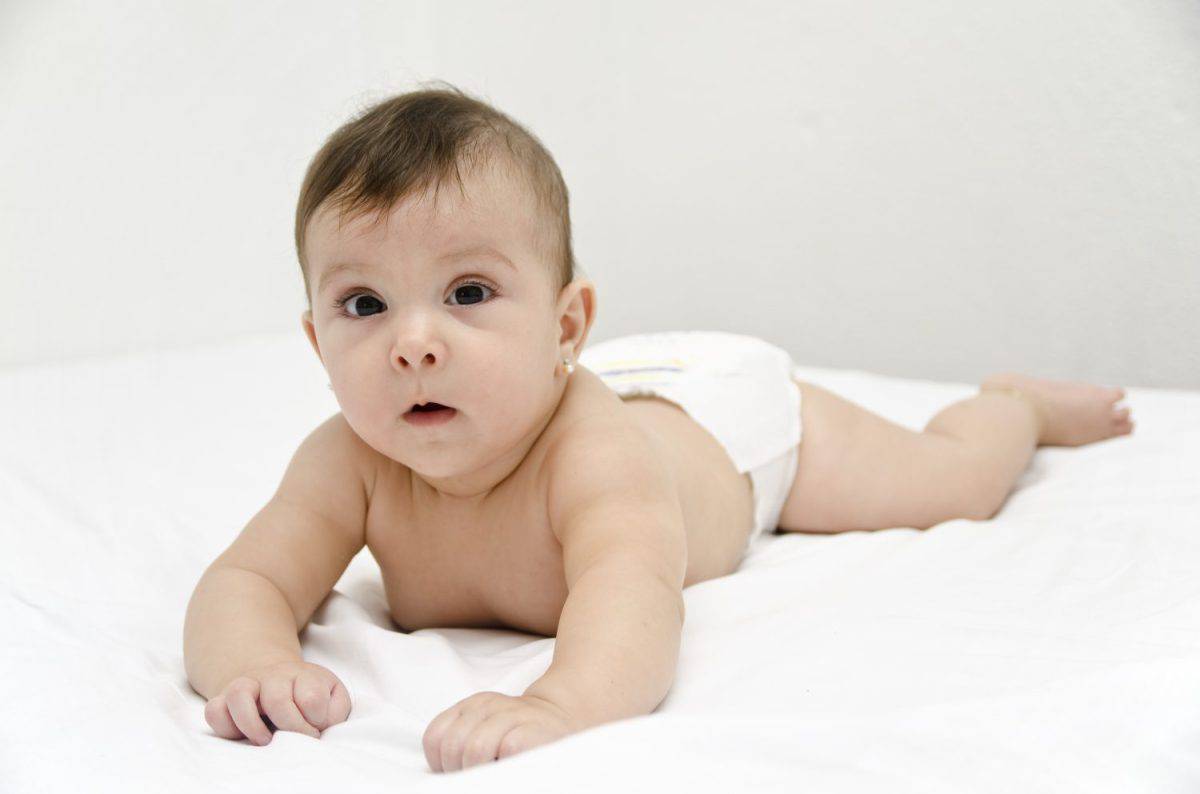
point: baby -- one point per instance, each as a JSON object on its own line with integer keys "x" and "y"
{"x": 502, "y": 475}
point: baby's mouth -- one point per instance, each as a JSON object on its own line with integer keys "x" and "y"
{"x": 429, "y": 407}
{"x": 429, "y": 414}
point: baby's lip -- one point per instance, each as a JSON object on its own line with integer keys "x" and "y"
{"x": 423, "y": 403}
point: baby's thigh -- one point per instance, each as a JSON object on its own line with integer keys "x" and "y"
{"x": 858, "y": 470}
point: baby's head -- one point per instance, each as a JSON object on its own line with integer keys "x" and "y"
{"x": 434, "y": 238}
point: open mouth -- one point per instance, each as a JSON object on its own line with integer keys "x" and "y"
{"x": 428, "y": 407}
{"x": 430, "y": 413}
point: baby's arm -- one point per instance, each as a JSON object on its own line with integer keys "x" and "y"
{"x": 613, "y": 507}
{"x": 241, "y": 630}
{"x": 616, "y": 513}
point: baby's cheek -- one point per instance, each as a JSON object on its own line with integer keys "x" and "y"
{"x": 374, "y": 432}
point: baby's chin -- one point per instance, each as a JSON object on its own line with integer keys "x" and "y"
{"x": 433, "y": 451}
{"x": 431, "y": 465}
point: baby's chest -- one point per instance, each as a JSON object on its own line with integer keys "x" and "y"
{"x": 492, "y": 570}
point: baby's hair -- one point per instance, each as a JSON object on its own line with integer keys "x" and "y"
{"x": 409, "y": 141}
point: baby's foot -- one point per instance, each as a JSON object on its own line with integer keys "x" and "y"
{"x": 1071, "y": 413}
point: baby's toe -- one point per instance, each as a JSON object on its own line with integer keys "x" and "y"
{"x": 1121, "y": 423}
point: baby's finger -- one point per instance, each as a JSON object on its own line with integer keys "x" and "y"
{"x": 216, "y": 714}
{"x": 448, "y": 753}
{"x": 311, "y": 694}
{"x": 454, "y": 741}
{"x": 277, "y": 703}
{"x": 243, "y": 707}
{"x": 339, "y": 705}
{"x": 435, "y": 733}
{"x": 483, "y": 744}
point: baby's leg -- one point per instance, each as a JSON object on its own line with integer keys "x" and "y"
{"x": 857, "y": 470}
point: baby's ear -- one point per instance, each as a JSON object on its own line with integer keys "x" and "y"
{"x": 577, "y": 306}
{"x": 310, "y": 331}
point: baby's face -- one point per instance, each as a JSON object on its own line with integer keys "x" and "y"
{"x": 453, "y": 304}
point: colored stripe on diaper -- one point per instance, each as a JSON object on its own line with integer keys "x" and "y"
{"x": 636, "y": 371}
{"x": 629, "y": 366}
{"x": 638, "y": 375}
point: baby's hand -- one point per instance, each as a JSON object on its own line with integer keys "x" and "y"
{"x": 488, "y": 726}
{"x": 295, "y": 696}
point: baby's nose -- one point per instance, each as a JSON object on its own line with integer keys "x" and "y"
{"x": 418, "y": 348}
{"x": 429, "y": 359}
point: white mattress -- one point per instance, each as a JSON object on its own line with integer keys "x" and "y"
{"x": 1055, "y": 647}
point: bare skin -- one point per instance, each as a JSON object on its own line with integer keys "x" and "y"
{"x": 497, "y": 561}
{"x": 504, "y": 568}
{"x": 544, "y": 493}
{"x": 1071, "y": 413}
{"x": 860, "y": 471}
{"x": 500, "y": 565}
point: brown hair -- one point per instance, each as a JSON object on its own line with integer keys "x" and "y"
{"x": 405, "y": 143}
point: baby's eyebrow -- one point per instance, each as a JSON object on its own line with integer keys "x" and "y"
{"x": 338, "y": 268}
{"x": 477, "y": 250}
{"x": 452, "y": 256}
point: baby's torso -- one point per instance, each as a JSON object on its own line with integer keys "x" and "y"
{"x": 500, "y": 565}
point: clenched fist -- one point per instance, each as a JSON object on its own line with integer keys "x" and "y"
{"x": 295, "y": 696}
{"x": 488, "y": 726}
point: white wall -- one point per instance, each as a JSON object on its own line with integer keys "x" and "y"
{"x": 152, "y": 154}
{"x": 933, "y": 189}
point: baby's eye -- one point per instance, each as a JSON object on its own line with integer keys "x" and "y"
{"x": 373, "y": 305}
{"x": 468, "y": 294}
{"x": 469, "y": 291}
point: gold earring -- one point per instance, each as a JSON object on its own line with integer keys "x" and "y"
{"x": 568, "y": 366}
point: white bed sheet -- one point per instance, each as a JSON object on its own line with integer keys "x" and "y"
{"x": 1055, "y": 647}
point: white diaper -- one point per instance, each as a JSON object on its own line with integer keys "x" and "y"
{"x": 739, "y": 388}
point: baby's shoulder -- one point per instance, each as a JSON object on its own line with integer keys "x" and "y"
{"x": 601, "y": 455}
{"x": 346, "y": 460}
{"x": 592, "y": 422}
